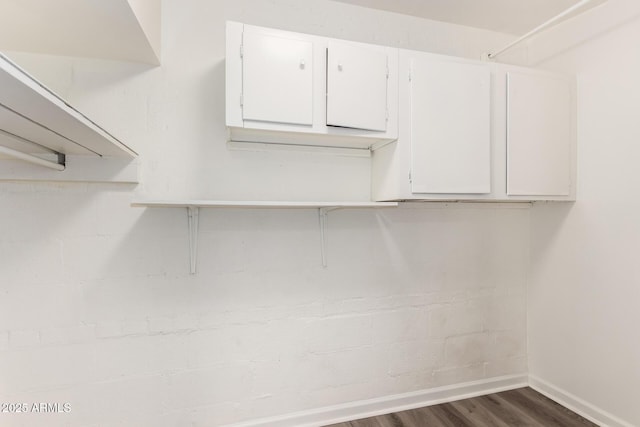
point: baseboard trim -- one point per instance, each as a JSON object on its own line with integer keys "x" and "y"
{"x": 577, "y": 405}
{"x": 385, "y": 405}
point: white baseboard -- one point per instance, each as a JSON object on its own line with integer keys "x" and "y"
{"x": 577, "y": 405}
{"x": 385, "y": 405}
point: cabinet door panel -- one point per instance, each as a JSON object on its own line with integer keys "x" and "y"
{"x": 277, "y": 79}
{"x": 356, "y": 87}
{"x": 450, "y": 127}
{"x": 538, "y": 135}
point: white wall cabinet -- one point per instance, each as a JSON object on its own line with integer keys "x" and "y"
{"x": 291, "y": 88}
{"x": 440, "y": 128}
{"x": 472, "y": 130}
{"x": 539, "y": 134}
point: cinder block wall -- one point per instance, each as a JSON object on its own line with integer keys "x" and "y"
{"x": 96, "y": 304}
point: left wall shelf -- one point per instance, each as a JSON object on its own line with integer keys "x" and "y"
{"x": 37, "y": 122}
{"x": 193, "y": 211}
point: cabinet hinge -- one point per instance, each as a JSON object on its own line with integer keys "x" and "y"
{"x": 410, "y": 76}
{"x": 241, "y": 100}
{"x": 386, "y": 116}
{"x": 241, "y": 51}
{"x": 410, "y": 180}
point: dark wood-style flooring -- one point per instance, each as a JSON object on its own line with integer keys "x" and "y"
{"x": 520, "y": 407}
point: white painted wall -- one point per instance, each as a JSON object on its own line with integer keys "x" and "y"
{"x": 97, "y": 307}
{"x": 584, "y": 293}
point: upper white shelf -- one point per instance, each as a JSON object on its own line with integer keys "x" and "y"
{"x": 33, "y": 119}
{"x": 125, "y": 30}
{"x": 257, "y": 204}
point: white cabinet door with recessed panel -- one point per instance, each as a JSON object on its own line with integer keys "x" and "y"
{"x": 277, "y": 83}
{"x": 450, "y": 126}
{"x": 539, "y": 135}
{"x": 356, "y": 86}
{"x": 277, "y": 78}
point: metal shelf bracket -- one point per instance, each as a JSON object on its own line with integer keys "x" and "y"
{"x": 193, "y": 213}
{"x": 323, "y": 220}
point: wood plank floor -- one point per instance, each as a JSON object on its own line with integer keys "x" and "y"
{"x": 520, "y": 407}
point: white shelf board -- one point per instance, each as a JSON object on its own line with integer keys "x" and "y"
{"x": 35, "y": 113}
{"x": 257, "y": 204}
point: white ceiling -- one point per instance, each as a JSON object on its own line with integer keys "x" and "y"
{"x": 506, "y": 16}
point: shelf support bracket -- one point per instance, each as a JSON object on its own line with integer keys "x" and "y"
{"x": 322, "y": 218}
{"x": 193, "y": 213}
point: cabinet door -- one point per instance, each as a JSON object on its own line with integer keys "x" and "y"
{"x": 277, "y": 79}
{"x": 450, "y": 127}
{"x": 356, "y": 87}
{"x": 539, "y": 135}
